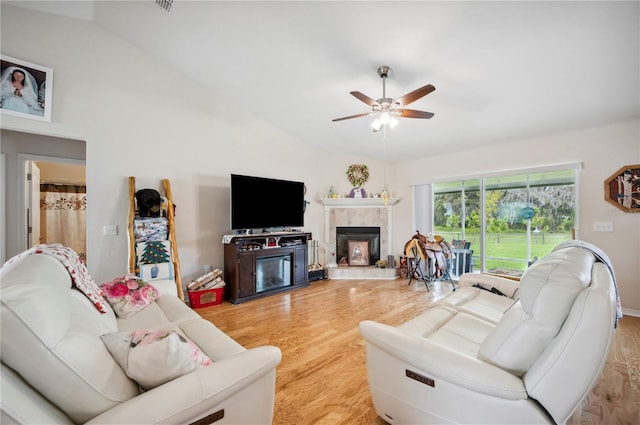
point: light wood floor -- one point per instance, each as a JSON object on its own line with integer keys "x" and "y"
{"x": 323, "y": 379}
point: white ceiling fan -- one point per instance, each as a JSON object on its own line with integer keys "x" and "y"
{"x": 386, "y": 109}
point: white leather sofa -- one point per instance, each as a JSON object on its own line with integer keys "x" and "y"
{"x": 56, "y": 369}
{"x": 476, "y": 357}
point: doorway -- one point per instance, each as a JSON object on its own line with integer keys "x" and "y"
{"x": 55, "y": 202}
{"x": 18, "y": 147}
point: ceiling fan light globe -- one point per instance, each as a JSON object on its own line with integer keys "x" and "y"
{"x": 385, "y": 118}
{"x": 376, "y": 125}
{"x": 393, "y": 122}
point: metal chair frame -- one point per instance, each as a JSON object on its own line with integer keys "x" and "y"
{"x": 416, "y": 271}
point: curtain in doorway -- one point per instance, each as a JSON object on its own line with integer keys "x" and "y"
{"x": 63, "y": 210}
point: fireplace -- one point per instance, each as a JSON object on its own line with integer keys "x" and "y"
{"x": 359, "y": 212}
{"x": 358, "y": 245}
{"x": 273, "y": 272}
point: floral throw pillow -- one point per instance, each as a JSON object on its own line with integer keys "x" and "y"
{"x": 152, "y": 358}
{"x": 128, "y": 295}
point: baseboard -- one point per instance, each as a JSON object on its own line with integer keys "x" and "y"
{"x": 629, "y": 312}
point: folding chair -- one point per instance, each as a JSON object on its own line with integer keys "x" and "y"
{"x": 414, "y": 269}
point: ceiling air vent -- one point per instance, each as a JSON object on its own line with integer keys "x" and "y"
{"x": 165, "y": 4}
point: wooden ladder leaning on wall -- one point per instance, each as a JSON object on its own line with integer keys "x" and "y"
{"x": 133, "y": 264}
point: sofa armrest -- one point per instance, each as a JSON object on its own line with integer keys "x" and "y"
{"x": 197, "y": 394}
{"x": 22, "y": 404}
{"x": 506, "y": 286}
{"x": 443, "y": 363}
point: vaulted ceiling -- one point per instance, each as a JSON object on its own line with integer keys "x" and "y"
{"x": 503, "y": 71}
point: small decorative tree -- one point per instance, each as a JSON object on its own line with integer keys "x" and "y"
{"x": 154, "y": 252}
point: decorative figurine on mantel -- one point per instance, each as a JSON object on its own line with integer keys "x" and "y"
{"x": 358, "y": 175}
{"x": 385, "y": 196}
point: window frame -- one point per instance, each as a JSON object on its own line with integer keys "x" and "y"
{"x": 425, "y": 192}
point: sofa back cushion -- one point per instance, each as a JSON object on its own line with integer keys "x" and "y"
{"x": 548, "y": 290}
{"x": 51, "y": 336}
{"x": 567, "y": 369}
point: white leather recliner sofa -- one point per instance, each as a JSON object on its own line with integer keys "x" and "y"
{"x": 57, "y": 370}
{"x": 477, "y": 357}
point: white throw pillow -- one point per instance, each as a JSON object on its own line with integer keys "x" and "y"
{"x": 128, "y": 295}
{"x": 152, "y": 358}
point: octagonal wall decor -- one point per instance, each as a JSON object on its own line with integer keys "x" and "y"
{"x": 622, "y": 189}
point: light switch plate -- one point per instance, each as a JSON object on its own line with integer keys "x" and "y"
{"x": 602, "y": 226}
{"x": 110, "y": 230}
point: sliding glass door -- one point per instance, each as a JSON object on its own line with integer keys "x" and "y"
{"x": 507, "y": 220}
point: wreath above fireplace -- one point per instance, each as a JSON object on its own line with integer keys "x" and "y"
{"x": 358, "y": 174}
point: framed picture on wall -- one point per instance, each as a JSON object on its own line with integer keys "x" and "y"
{"x": 25, "y": 89}
{"x": 622, "y": 189}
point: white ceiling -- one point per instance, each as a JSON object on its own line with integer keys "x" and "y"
{"x": 503, "y": 71}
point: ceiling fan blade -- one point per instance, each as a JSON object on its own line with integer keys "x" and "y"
{"x": 363, "y": 97}
{"x": 352, "y": 116}
{"x": 415, "y": 95}
{"x": 412, "y": 113}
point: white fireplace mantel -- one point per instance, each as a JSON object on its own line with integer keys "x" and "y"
{"x": 359, "y": 212}
{"x": 357, "y": 202}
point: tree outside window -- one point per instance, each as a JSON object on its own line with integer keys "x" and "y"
{"x": 511, "y": 237}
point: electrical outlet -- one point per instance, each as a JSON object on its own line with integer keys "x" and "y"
{"x": 207, "y": 268}
{"x": 110, "y": 230}
{"x": 603, "y": 226}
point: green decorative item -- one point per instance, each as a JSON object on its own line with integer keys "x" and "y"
{"x": 154, "y": 252}
{"x": 527, "y": 213}
{"x": 358, "y": 174}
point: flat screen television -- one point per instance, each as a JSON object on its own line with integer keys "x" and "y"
{"x": 264, "y": 203}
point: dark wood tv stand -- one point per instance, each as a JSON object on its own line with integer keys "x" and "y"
{"x": 257, "y": 265}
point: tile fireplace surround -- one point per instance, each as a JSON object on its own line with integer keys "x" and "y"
{"x": 359, "y": 212}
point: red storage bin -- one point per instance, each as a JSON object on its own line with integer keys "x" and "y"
{"x": 206, "y": 297}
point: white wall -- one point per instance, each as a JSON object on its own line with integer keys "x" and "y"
{"x": 602, "y": 151}
{"x": 56, "y": 172}
{"x": 142, "y": 118}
